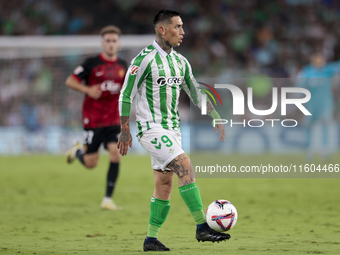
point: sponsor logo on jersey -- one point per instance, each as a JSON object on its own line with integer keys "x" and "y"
{"x": 111, "y": 86}
{"x": 171, "y": 80}
{"x": 161, "y": 81}
{"x": 134, "y": 69}
{"x": 78, "y": 70}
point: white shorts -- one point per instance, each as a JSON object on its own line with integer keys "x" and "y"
{"x": 163, "y": 145}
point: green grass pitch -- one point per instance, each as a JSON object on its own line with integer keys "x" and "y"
{"x": 49, "y": 207}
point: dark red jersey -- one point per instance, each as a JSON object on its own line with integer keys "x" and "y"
{"x": 102, "y": 112}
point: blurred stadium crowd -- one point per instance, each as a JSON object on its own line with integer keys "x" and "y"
{"x": 224, "y": 39}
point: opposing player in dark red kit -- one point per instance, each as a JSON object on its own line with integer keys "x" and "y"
{"x": 100, "y": 78}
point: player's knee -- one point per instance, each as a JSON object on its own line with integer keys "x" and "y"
{"x": 91, "y": 165}
{"x": 114, "y": 158}
{"x": 167, "y": 186}
{"x": 91, "y": 162}
{"x": 167, "y": 190}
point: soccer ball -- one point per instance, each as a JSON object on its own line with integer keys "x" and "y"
{"x": 221, "y": 215}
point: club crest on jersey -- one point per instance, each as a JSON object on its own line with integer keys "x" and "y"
{"x": 180, "y": 66}
{"x": 121, "y": 73}
{"x": 134, "y": 69}
{"x": 99, "y": 73}
{"x": 161, "y": 81}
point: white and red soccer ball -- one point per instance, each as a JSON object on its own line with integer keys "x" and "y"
{"x": 221, "y": 215}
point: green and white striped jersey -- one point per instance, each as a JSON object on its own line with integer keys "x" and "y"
{"x": 156, "y": 78}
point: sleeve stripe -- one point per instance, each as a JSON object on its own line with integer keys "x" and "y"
{"x": 76, "y": 77}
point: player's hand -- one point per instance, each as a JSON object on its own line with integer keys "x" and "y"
{"x": 222, "y": 133}
{"x": 124, "y": 141}
{"x": 94, "y": 91}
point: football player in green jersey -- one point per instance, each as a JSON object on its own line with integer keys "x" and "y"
{"x": 155, "y": 77}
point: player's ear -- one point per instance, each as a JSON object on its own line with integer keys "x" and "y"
{"x": 161, "y": 30}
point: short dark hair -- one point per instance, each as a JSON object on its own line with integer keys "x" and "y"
{"x": 111, "y": 29}
{"x": 164, "y": 15}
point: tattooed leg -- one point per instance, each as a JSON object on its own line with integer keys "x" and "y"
{"x": 181, "y": 165}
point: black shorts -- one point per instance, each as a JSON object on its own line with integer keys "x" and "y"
{"x": 94, "y": 137}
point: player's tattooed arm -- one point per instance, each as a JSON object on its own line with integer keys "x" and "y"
{"x": 125, "y": 138}
{"x": 125, "y": 129}
{"x": 210, "y": 108}
{"x": 181, "y": 165}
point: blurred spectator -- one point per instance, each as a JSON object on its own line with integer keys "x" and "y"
{"x": 225, "y": 39}
{"x": 30, "y": 114}
{"x": 279, "y": 35}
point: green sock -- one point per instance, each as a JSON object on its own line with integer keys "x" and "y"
{"x": 192, "y": 199}
{"x": 159, "y": 210}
